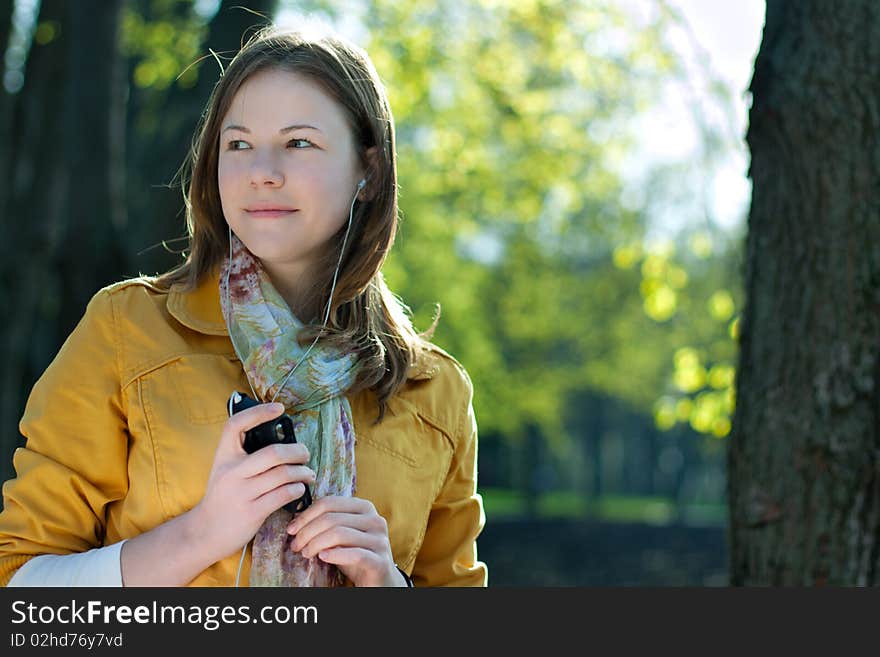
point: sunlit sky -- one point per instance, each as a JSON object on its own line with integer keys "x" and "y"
{"x": 722, "y": 42}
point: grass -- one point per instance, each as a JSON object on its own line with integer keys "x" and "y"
{"x": 503, "y": 502}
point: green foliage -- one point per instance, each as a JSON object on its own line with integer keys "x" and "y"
{"x": 701, "y": 388}
{"x": 162, "y": 44}
{"x": 506, "y": 115}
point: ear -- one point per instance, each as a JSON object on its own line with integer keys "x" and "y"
{"x": 370, "y": 174}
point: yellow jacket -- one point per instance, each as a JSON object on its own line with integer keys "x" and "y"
{"x": 122, "y": 427}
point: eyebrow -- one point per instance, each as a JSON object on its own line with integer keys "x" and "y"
{"x": 297, "y": 126}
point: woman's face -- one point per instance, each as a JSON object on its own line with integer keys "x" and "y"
{"x": 286, "y": 145}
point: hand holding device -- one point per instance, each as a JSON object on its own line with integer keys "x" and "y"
{"x": 279, "y": 430}
{"x": 244, "y": 489}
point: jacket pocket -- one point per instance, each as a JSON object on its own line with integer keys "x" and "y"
{"x": 401, "y": 465}
{"x": 184, "y": 404}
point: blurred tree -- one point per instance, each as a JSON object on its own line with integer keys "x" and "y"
{"x": 6, "y": 9}
{"x": 804, "y": 481}
{"x": 512, "y": 119}
{"x": 64, "y": 204}
{"x": 507, "y": 117}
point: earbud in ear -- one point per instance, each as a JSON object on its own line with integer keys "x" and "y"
{"x": 362, "y": 183}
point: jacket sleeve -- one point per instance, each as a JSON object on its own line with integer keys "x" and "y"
{"x": 448, "y": 556}
{"x": 74, "y": 462}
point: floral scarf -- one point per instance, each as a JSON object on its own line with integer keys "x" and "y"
{"x": 263, "y": 331}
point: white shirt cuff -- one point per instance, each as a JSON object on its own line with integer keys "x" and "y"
{"x": 97, "y": 567}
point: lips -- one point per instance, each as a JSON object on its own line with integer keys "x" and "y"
{"x": 269, "y": 212}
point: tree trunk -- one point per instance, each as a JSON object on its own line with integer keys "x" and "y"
{"x": 63, "y": 195}
{"x": 33, "y": 149}
{"x": 6, "y": 8}
{"x": 94, "y": 156}
{"x": 804, "y": 491}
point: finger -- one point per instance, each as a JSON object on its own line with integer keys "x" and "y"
{"x": 331, "y": 503}
{"x": 278, "y": 497}
{"x": 248, "y": 419}
{"x": 326, "y": 521}
{"x": 339, "y": 536}
{"x": 271, "y": 456}
{"x": 278, "y": 476}
{"x": 344, "y": 557}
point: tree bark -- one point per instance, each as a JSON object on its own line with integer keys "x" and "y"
{"x": 804, "y": 491}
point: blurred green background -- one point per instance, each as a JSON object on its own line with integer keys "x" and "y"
{"x": 595, "y": 309}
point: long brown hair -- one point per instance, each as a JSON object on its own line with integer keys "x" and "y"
{"x": 365, "y": 315}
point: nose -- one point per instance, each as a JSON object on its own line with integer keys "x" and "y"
{"x": 264, "y": 171}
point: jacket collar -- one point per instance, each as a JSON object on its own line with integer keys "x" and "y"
{"x": 199, "y": 309}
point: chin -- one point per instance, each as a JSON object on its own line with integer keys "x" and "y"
{"x": 271, "y": 251}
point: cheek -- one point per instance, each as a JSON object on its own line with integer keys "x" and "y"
{"x": 335, "y": 192}
{"x": 321, "y": 192}
{"x": 309, "y": 179}
{"x": 226, "y": 176}
{"x": 227, "y": 185}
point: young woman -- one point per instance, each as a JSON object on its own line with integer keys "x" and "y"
{"x": 135, "y": 473}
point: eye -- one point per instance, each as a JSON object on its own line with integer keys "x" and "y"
{"x": 231, "y": 146}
